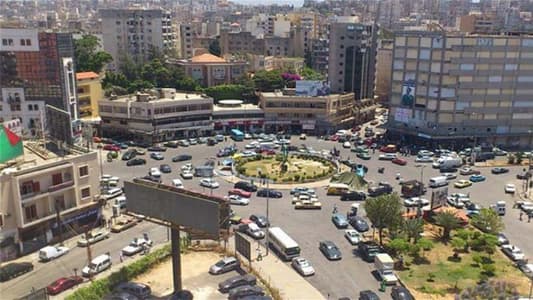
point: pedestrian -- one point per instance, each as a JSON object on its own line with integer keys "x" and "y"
{"x": 121, "y": 256}
{"x": 521, "y": 213}
{"x": 334, "y": 208}
{"x": 529, "y": 218}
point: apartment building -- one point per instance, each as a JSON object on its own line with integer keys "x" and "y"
{"x": 157, "y": 115}
{"x": 482, "y": 23}
{"x": 453, "y": 87}
{"x": 383, "y": 70}
{"x": 240, "y": 43}
{"x": 352, "y": 57}
{"x": 135, "y": 32}
{"x": 89, "y": 93}
{"x": 284, "y": 111}
{"x": 34, "y": 193}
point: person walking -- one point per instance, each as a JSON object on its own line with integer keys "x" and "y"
{"x": 121, "y": 256}
{"x": 335, "y": 208}
{"x": 521, "y": 214}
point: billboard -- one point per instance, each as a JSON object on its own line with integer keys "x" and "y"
{"x": 10, "y": 142}
{"x": 439, "y": 197}
{"x": 312, "y": 88}
{"x": 178, "y": 206}
{"x": 408, "y": 93}
{"x": 242, "y": 245}
{"x": 59, "y": 124}
{"x": 402, "y": 114}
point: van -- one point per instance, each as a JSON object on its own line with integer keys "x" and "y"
{"x": 121, "y": 202}
{"x": 438, "y": 181}
{"x": 97, "y": 265}
{"x": 112, "y": 193}
{"x": 451, "y": 162}
{"x": 338, "y": 189}
{"x": 50, "y": 252}
{"x": 499, "y": 208}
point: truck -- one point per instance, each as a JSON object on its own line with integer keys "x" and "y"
{"x": 385, "y": 268}
{"x": 413, "y": 188}
{"x": 499, "y": 208}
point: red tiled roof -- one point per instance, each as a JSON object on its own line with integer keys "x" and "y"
{"x": 207, "y": 58}
{"x": 86, "y": 75}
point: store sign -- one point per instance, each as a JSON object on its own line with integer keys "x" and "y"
{"x": 85, "y": 214}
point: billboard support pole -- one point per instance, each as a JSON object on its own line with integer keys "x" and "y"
{"x": 176, "y": 258}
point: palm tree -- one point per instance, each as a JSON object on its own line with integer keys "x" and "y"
{"x": 413, "y": 228}
{"x": 448, "y": 221}
{"x": 384, "y": 212}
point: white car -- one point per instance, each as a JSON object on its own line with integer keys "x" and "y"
{"x": 513, "y": 252}
{"x": 187, "y": 167}
{"x": 465, "y": 198}
{"x": 353, "y": 236}
{"x": 177, "y": 183}
{"x": 415, "y": 202}
{"x": 109, "y": 177}
{"x": 187, "y": 174}
{"x": 449, "y": 176}
{"x": 347, "y": 145}
{"x": 455, "y": 202}
{"x": 251, "y": 146}
{"x": 209, "y": 183}
{"x": 303, "y": 266}
{"x": 247, "y": 136}
{"x": 136, "y": 246}
{"x": 510, "y": 188}
{"x": 248, "y": 153}
{"x": 235, "y": 199}
{"x": 387, "y": 156}
{"x": 154, "y": 172}
{"x": 425, "y": 153}
{"x": 423, "y": 159}
{"x": 93, "y": 238}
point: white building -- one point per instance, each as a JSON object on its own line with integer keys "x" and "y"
{"x": 15, "y": 106}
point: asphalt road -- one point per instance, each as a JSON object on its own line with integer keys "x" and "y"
{"x": 344, "y": 278}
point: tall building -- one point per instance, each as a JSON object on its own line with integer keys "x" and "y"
{"x": 452, "y": 87}
{"x": 383, "y": 70}
{"x": 352, "y": 57}
{"x": 37, "y": 69}
{"x": 136, "y": 32}
{"x": 89, "y": 93}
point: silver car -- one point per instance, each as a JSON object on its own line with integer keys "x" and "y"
{"x": 303, "y": 266}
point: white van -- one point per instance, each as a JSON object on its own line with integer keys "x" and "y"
{"x": 438, "y": 181}
{"x": 121, "y": 202}
{"x": 50, "y": 252}
{"x": 97, "y": 265}
{"x": 499, "y": 208}
{"x": 112, "y": 193}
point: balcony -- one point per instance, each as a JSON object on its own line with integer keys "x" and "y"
{"x": 57, "y": 187}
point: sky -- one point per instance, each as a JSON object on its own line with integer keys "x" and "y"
{"x": 268, "y": 2}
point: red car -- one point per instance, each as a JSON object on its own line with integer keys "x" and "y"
{"x": 63, "y": 284}
{"x": 334, "y": 138}
{"x": 399, "y": 161}
{"x": 111, "y": 147}
{"x": 240, "y": 192}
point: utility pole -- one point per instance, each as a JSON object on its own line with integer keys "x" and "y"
{"x": 89, "y": 253}
{"x": 267, "y": 215}
{"x": 58, "y": 221}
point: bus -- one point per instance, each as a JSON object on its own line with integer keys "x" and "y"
{"x": 237, "y": 135}
{"x": 338, "y": 189}
{"x": 283, "y": 244}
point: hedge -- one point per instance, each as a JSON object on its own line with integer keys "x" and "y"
{"x": 101, "y": 287}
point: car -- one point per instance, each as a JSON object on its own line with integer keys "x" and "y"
{"x": 364, "y": 156}
{"x": 499, "y": 170}
{"x": 526, "y": 268}
{"x": 469, "y": 171}
{"x": 186, "y": 174}
{"x": 423, "y": 159}
{"x": 93, "y": 237}
{"x": 360, "y": 149}
{"x": 50, "y": 252}
{"x": 136, "y": 245}
{"x": 260, "y": 220}
{"x": 425, "y": 153}
{"x": 415, "y": 202}
{"x": 183, "y": 143}
{"x": 171, "y": 144}
{"x": 477, "y": 178}
{"x": 181, "y": 157}
{"x": 269, "y": 193}
{"x": 387, "y": 156}
{"x": 177, "y": 183}
{"x": 136, "y": 162}
{"x": 245, "y": 186}
{"x": 238, "y": 200}
{"x": 302, "y": 266}
{"x": 193, "y": 141}
{"x": 123, "y": 223}
{"x": 203, "y": 140}
{"x": 219, "y": 138}
{"x": 224, "y": 265}
{"x": 157, "y": 149}
{"x": 353, "y": 196}
{"x": 510, "y": 188}
{"x": 140, "y": 151}
{"x": 401, "y": 293}
{"x": 12, "y": 270}
{"x": 209, "y": 183}
{"x": 339, "y": 220}
{"x": 156, "y": 156}
{"x": 462, "y": 183}
{"x": 330, "y": 250}
{"x": 368, "y": 250}
{"x": 303, "y": 136}
{"x": 165, "y": 168}
{"x": 352, "y": 236}
{"x": 250, "y": 146}
{"x": 449, "y": 176}
{"x": 347, "y": 145}
{"x": 111, "y": 147}
{"x": 63, "y": 284}
{"x": 154, "y": 172}
{"x": 297, "y": 190}
{"x": 129, "y": 155}
{"x": 513, "y": 252}
{"x": 139, "y": 290}
{"x": 472, "y": 209}
{"x": 399, "y": 161}
{"x": 240, "y": 192}
{"x": 523, "y": 175}
{"x": 236, "y": 281}
{"x": 358, "y": 224}
{"x": 368, "y": 295}
{"x": 455, "y": 202}
{"x": 502, "y": 239}
{"x": 245, "y": 292}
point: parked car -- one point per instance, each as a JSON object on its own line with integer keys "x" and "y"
{"x": 387, "y": 156}
{"x": 238, "y": 200}
{"x": 156, "y": 156}
{"x": 111, "y": 147}
{"x": 165, "y": 168}
{"x": 368, "y": 250}
{"x": 353, "y": 196}
{"x": 462, "y": 183}
{"x": 455, "y": 202}
{"x": 477, "y": 178}
{"x": 499, "y": 170}
{"x": 423, "y": 159}
{"x": 425, "y": 153}
{"x": 50, "y": 252}
{"x": 240, "y": 192}
{"x": 245, "y": 291}
{"x": 302, "y": 266}
{"x": 12, "y": 270}
{"x": 181, "y": 157}
{"x": 358, "y": 224}
{"x": 246, "y": 186}
{"x": 157, "y": 149}
{"x": 352, "y": 236}
{"x": 186, "y": 174}
{"x": 123, "y": 223}
{"x": 502, "y": 239}
{"x": 401, "y": 293}
{"x": 183, "y": 143}
{"x": 171, "y": 144}
{"x": 209, "y": 183}
{"x": 469, "y": 171}
{"x": 63, "y": 284}
{"x": 339, "y": 220}
{"x": 129, "y": 154}
{"x": 236, "y": 281}
{"x": 260, "y": 220}
{"x": 93, "y": 237}
{"x": 523, "y": 175}
{"x": 399, "y": 161}
{"x": 224, "y": 265}
{"x": 368, "y": 295}
{"x": 136, "y": 246}
{"x": 154, "y": 172}
{"x": 139, "y": 290}
{"x": 510, "y": 188}
{"x": 415, "y": 202}
{"x": 450, "y": 176}
{"x": 136, "y": 162}
{"x": 513, "y": 252}
{"x": 330, "y": 250}
{"x": 269, "y": 193}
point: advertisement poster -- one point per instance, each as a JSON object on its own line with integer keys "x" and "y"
{"x": 402, "y": 115}
{"x": 408, "y": 93}
{"x": 312, "y": 88}
{"x": 10, "y": 140}
{"x": 439, "y": 197}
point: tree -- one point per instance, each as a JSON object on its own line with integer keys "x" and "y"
{"x": 268, "y": 81}
{"x": 455, "y": 275}
{"x": 448, "y": 221}
{"x": 425, "y": 244}
{"x": 227, "y": 91}
{"x": 399, "y": 246}
{"x": 310, "y": 74}
{"x": 488, "y": 221}
{"x": 458, "y": 244}
{"x": 214, "y": 47}
{"x": 86, "y": 56}
{"x": 384, "y": 211}
{"x": 413, "y": 228}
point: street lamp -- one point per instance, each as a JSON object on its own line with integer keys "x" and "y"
{"x": 473, "y": 152}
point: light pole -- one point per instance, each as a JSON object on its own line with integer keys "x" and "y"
{"x": 267, "y": 215}
{"x": 473, "y": 152}
{"x": 421, "y": 167}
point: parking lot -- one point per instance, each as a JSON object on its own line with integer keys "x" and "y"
{"x": 344, "y": 278}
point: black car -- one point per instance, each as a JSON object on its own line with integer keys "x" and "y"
{"x": 171, "y": 144}
{"x": 165, "y": 168}
{"x": 523, "y": 175}
{"x": 211, "y": 141}
{"x": 368, "y": 295}
{"x": 353, "y": 196}
{"x": 358, "y": 224}
{"x": 13, "y": 270}
{"x": 143, "y": 144}
{"x": 129, "y": 155}
{"x": 157, "y": 149}
{"x": 245, "y": 186}
{"x": 236, "y": 281}
{"x": 330, "y": 250}
{"x": 245, "y": 290}
{"x": 181, "y": 157}
{"x": 401, "y": 293}
{"x": 136, "y": 162}
{"x": 260, "y": 220}
{"x": 269, "y": 193}
{"x": 448, "y": 170}
{"x": 151, "y": 178}
{"x": 499, "y": 170}
{"x": 368, "y": 250}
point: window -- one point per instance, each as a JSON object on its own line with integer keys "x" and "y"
{"x": 4, "y": 42}
{"x": 57, "y": 179}
{"x": 22, "y": 42}
{"x": 84, "y": 171}
{"x": 511, "y": 67}
{"x": 35, "y": 107}
{"x": 31, "y": 212}
{"x": 467, "y": 67}
{"x": 30, "y": 107}
{"x": 86, "y": 192}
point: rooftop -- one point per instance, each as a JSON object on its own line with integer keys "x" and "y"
{"x": 207, "y": 58}
{"x": 231, "y": 105}
{"x": 86, "y": 75}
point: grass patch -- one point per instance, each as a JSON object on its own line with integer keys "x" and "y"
{"x": 350, "y": 179}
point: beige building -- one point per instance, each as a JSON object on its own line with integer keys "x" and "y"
{"x": 89, "y": 93}
{"x": 383, "y": 71}
{"x": 284, "y": 111}
{"x": 453, "y": 87}
{"x": 34, "y": 192}
{"x": 477, "y": 22}
{"x": 235, "y": 114}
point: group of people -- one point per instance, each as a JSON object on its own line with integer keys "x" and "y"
{"x": 528, "y": 216}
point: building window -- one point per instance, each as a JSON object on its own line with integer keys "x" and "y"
{"x": 22, "y": 42}
{"x": 57, "y": 179}
{"x": 31, "y": 212}
{"x": 4, "y": 42}
{"x": 85, "y": 193}
{"x": 30, "y": 107}
{"x": 35, "y": 107}
{"x": 84, "y": 171}
{"x": 28, "y": 42}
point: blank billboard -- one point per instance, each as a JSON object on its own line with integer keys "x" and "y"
{"x": 178, "y": 206}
